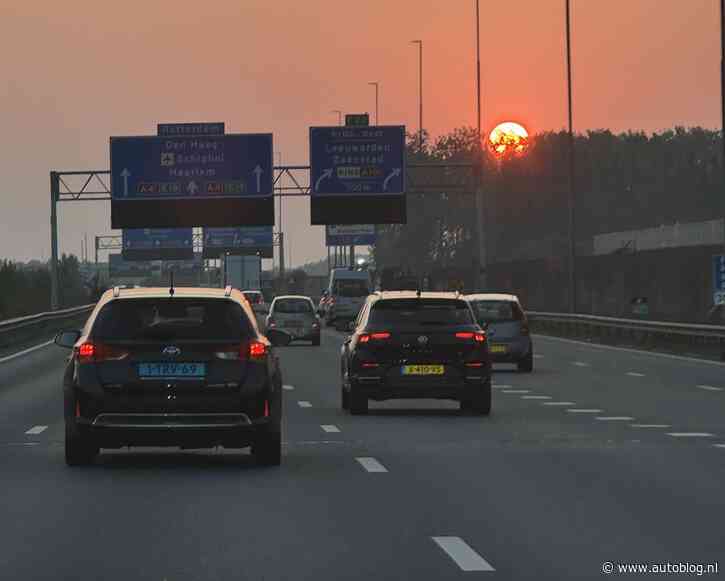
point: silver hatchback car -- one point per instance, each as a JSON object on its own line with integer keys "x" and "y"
{"x": 296, "y": 316}
{"x": 507, "y": 328}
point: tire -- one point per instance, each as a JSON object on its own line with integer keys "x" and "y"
{"x": 358, "y": 401}
{"x": 344, "y": 398}
{"x": 80, "y": 450}
{"x": 526, "y": 365}
{"x": 267, "y": 448}
{"x": 480, "y": 401}
{"x": 316, "y": 342}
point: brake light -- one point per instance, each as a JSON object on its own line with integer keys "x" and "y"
{"x": 370, "y": 365}
{"x": 468, "y": 335}
{"x": 474, "y": 364}
{"x": 367, "y": 337}
{"x": 97, "y": 352}
{"x": 266, "y": 408}
{"x": 257, "y": 350}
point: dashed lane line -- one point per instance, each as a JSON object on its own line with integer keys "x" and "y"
{"x": 653, "y": 426}
{"x": 584, "y": 411}
{"x": 535, "y": 397}
{"x": 36, "y": 430}
{"x": 462, "y": 554}
{"x": 371, "y": 464}
{"x": 555, "y": 403}
{"x": 288, "y": 387}
{"x": 615, "y": 418}
{"x": 516, "y": 391}
{"x": 709, "y": 387}
{"x": 330, "y": 429}
{"x": 634, "y": 374}
{"x": 304, "y": 404}
{"x": 580, "y": 364}
{"x": 690, "y": 434}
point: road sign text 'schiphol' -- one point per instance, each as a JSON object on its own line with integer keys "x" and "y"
{"x": 223, "y": 180}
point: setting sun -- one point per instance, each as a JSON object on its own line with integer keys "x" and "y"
{"x": 508, "y": 138}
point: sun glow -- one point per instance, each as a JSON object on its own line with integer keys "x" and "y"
{"x": 508, "y": 139}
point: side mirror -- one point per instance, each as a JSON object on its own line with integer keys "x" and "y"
{"x": 67, "y": 339}
{"x": 279, "y": 338}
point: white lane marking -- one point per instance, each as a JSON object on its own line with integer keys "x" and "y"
{"x": 690, "y": 434}
{"x": 584, "y": 411}
{"x": 535, "y": 397}
{"x": 25, "y": 351}
{"x": 558, "y": 403}
{"x": 462, "y": 554}
{"x": 500, "y": 386}
{"x": 36, "y": 430}
{"x": 634, "y": 374}
{"x": 614, "y": 418}
{"x": 537, "y": 356}
{"x": 624, "y": 349}
{"x": 718, "y": 445}
{"x": 288, "y": 387}
{"x": 662, "y": 426}
{"x": 709, "y": 387}
{"x": 580, "y": 364}
{"x": 371, "y": 464}
{"x": 516, "y": 391}
{"x": 304, "y": 404}
{"x": 330, "y": 429}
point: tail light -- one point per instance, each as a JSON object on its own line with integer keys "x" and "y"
{"x": 476, "y": 336}
{"x": 253, "y": 351}
{"x": 96, "y": 352}
{"x": 367, "y": 337}
{"x": 474, "y": 364}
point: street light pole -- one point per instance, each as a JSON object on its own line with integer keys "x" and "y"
{"x": 339, "y": 115}
{"x": 570, "y": 139}
{"x": 377, "y": 103}
{"x": 481, "y": 254}
{"x": 420, "y": 90}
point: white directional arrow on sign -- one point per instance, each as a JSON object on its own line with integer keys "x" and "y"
{"x": 125, "y": 174}
{"x": 325, "y": 174}
{"x": 258, "y": 171}
{"x": 394, "y": 173}
{"x": 192, "y": 188}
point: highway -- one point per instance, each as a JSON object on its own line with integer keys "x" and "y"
{"x": 601, "y": 455}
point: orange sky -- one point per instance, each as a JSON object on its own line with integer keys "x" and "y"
{"x": 73, "y": 73}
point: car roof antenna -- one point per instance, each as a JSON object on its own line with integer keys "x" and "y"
{"x": 171, "y": 282}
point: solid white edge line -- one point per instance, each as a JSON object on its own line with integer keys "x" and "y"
{"x": 36, "y": 430}
{"x": 371, "y": 464}
{"x": 516, "y": 391}
{"x": 614, "y": 418}
{"x": 25, "y": 351}
{"x": 626, "y": 350}
{"x": 690, "y": 434}
{"x": 718, "y": 445}
{"x": 709, "y": 387}
{"x": 462, "y": 554}
{"x": 304, "y": 404}
{"x": 330, "y": 429}
{"x": 555, "y": 403}
{"x": 661, "y": 426}
{"x": 584, "y": 411}
{"x": 535, "y": 397}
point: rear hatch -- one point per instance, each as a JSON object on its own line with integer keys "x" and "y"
{"x": 410, "y": 332}
{"x": 295, "y": 315}
{"x": 173, "y": 354}
{"x": 349, "y": 295}
{"x": 504, "y": 320}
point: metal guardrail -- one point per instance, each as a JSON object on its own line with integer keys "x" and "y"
{"x": 17, "y": 332}
{"x": 659, "y": 327}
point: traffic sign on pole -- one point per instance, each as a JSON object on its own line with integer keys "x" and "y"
{"x": 718, "y": 279}
{"x": 357, "y": 234}
{"x": 158, "y": 244}
{"x": 182, "y": 181}
{"x": 250, "y": 240}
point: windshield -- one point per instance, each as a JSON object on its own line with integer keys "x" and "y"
{"x": 497, "y": 311}
{"x": 433, "y": 312}
{"x": 171, "y": 319}
{"x": 351, "y": 288}
{"x": 293, "y": 306}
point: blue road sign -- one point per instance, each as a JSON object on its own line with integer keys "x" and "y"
{"x": 225, "y": 166}
{"x": 355, "y": 235}
{"x": 718, "y": 279}
{"x": 157, "y": 243}
{"x": 248, "y": 240}
{"x": 178, "y": 129}
{"x": 357, "y": 161}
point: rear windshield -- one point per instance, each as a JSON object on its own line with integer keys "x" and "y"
{"x": 421, "y": 312}
{"x": 491, "y": 311}
{"x": 172, "y": 319}
{"x": 293, "y": 306}
{"x": 351, "y": 288}
{"x": 253, "y": 298}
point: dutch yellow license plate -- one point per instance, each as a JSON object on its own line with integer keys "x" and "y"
{"x": 423, "y": 370}
{"x": 498, "y": 349}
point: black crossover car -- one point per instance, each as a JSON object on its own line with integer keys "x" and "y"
{"x": 181, "y": 367}
{"x": 416, "y": 345}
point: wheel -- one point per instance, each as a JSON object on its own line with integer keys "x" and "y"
{"x": 358, "y": 400}
{"x": 344, "y": 398}
{"x": 316, "y": 342}
{"x": 480, "y": 400}
{"x": 267, "y": 448}
{"x": 526, "y": 365}
{"x": 465, "y": 405}
{"x": 80, "y": 450}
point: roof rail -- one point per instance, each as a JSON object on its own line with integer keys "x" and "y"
{"x": 116, "y": 292}
{"x": 228, "y": 290}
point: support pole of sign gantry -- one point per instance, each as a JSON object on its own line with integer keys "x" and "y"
{"x": 54, "y": 190}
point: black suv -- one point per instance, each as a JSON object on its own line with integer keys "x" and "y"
{"x": 181, "y": 367}
{"x": 416, "y": 345}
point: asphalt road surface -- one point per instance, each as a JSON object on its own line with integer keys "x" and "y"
{"x": 601, "y": 456}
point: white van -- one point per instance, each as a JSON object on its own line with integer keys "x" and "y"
{"x": 346, "y": 294}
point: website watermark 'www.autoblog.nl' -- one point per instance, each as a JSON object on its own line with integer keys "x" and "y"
{"x": 697, "y": 569}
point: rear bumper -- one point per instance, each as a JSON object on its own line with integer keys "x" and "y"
{"x": 516, "y": 350}
{"x": 379, "y": 388}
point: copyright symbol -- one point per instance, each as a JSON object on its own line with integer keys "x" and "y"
{"x": 607, "y": 567}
